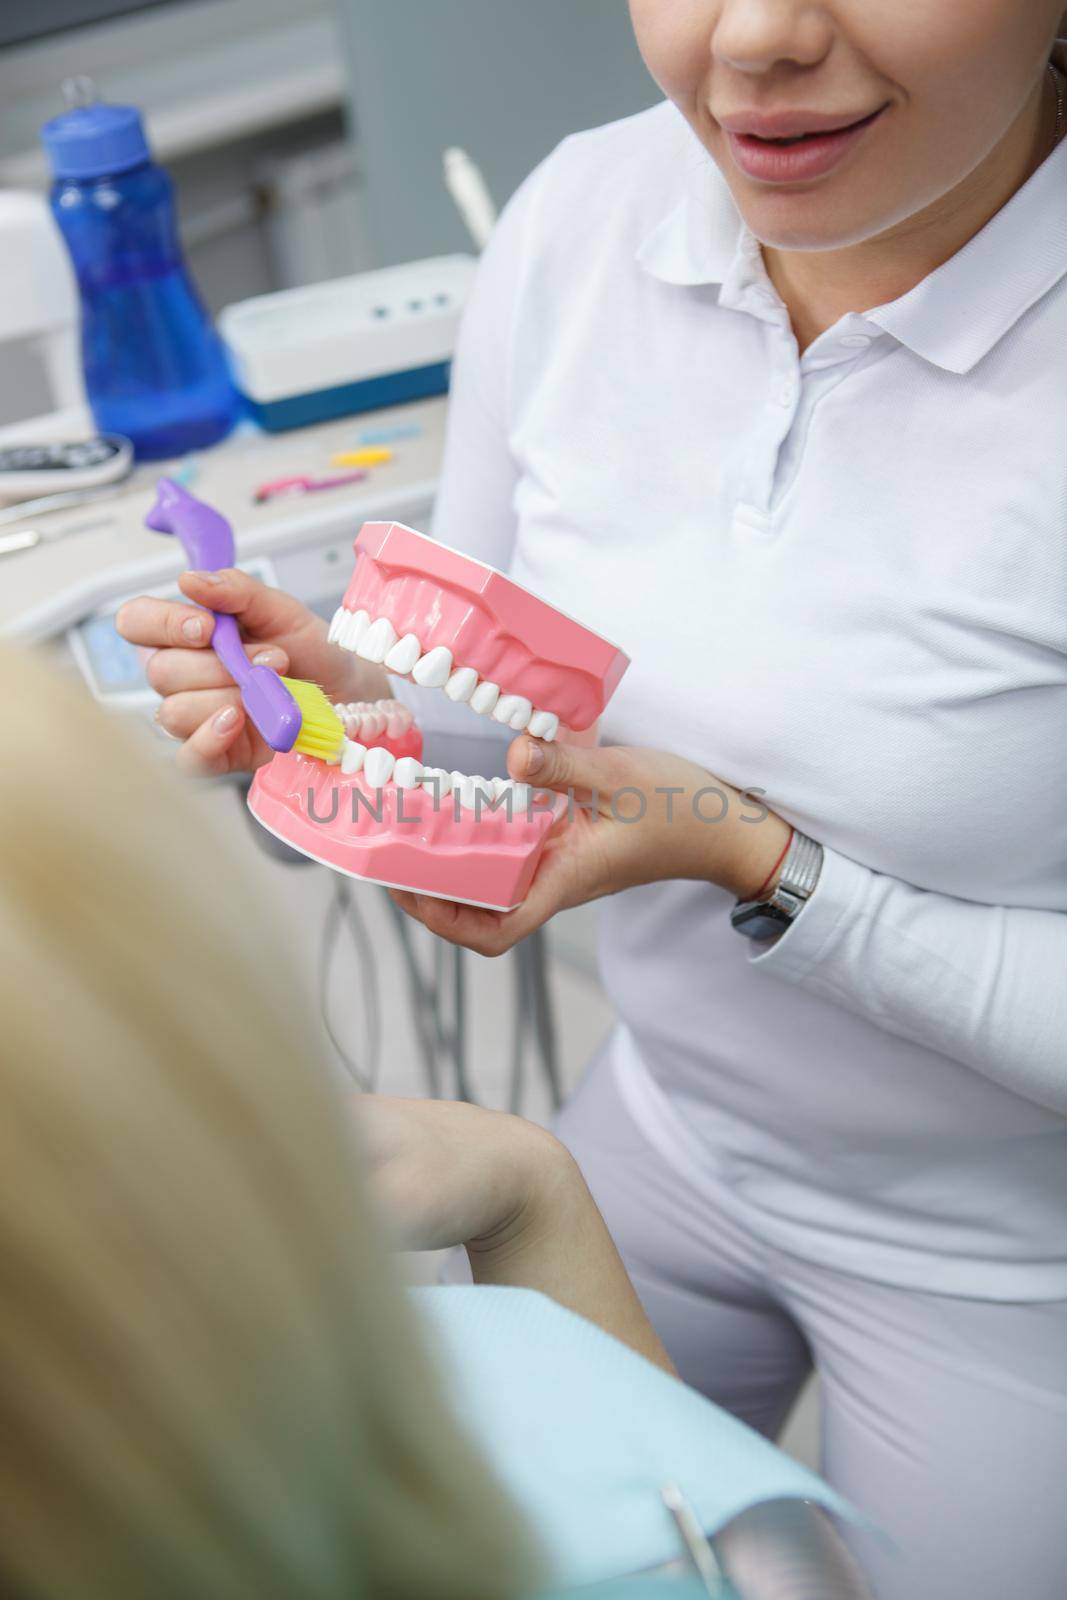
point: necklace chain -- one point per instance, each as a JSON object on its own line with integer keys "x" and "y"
{"x": 1057, "y": 80}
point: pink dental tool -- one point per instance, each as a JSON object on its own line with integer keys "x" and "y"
{"x": 448, "y": 622}
{"x": 303, "y": 484}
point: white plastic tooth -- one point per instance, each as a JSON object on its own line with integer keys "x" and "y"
{"x": 437, "y": 782}
{"x": 485, "y": 697}
{"x": 378, "y": 640}
{"x": 500, "y": 785}
{"x": 353, "y": 756}
{"x": 337, "y": 623}
{"x": 407, "y": 773}
{"x": 470, "y": 789}
{"x": 520, "y": 799}
{"x": 404, "y": 654}
{"x": 461, "y": 684}
{"x": 378, "y": 765}
{"x": 356, "y": 625}
{"x": 463, "y": 788}
{"x": 372, "y": 725}
{"x": 434, "y": 669}
{"x": 514, "y": 710}
{"x": 543, "y": 725}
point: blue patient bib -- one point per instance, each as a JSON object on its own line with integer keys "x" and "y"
{"x": 584, "y": 1433}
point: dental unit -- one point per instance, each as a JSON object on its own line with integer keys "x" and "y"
{"x": 444, "y": 621}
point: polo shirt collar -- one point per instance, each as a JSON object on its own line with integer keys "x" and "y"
{"x": 696, "y": 241}
{"x": 1018, "y": 256}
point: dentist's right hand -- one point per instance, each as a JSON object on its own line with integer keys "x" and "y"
{"x": 201, "y": 705}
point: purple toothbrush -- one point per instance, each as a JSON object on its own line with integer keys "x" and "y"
{"x": 207, "y": 539}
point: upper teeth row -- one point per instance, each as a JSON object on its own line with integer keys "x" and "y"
{"x": 376, "y": 640}
{"x": 379, "y": 766}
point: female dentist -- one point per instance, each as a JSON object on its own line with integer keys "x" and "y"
{"x": 767, "y": 384}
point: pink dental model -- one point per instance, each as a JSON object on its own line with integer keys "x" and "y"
{"x": 444, "y": 621}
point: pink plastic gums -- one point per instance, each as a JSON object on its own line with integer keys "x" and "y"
{"x": 489, "y": 622}
{"x": 399, "y": 837}
{"x": 420, "y": 838}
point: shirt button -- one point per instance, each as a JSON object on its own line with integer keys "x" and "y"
{"x": 855, "y": 341}
{"x": 786, "y": 394}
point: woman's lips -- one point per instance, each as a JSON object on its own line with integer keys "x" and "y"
{"x": 814, "y": 156}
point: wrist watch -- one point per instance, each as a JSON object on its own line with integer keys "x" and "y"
{"x": 762, "y": 919}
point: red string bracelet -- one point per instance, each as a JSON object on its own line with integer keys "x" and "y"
{"x": 762, "y": 890}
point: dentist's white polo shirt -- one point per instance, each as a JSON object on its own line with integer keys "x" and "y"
{"x": 842, "y": 578}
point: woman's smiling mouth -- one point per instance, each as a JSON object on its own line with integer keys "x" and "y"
{"x": 791, "y": 146}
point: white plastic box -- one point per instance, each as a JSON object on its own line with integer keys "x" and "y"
{"x": 353, "y": 344}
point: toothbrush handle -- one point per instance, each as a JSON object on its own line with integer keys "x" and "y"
{"x": 207, "y": 539}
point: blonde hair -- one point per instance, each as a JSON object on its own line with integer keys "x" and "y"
{"x": 210, "y": 1384}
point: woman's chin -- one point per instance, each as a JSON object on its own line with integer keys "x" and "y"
{"x": 797, "y": 219}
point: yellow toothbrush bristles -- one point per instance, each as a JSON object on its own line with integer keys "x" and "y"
{"x": 322, "y": 733}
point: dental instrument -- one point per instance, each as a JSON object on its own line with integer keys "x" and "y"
{"x": 30, "y": 538}
{"x": 289, "y": 713}
{"x": 341, "y": 913}
{"x": 366, "y": 456}
{"x": 391, "y": 432}
{"x": 60, "y": 501}
{"x": 302, "y": 484}
{"x": 695, "y": 1540}
{"x": 470, "y": 194}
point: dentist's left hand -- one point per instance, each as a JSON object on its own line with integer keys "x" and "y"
{"x": 639, "y": 816}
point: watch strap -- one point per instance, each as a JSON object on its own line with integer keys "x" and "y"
{"x": 773, "y": 913}
{"x": 801, "y": 867}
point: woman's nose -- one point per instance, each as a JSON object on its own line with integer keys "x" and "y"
{"x": 754, "y": 36}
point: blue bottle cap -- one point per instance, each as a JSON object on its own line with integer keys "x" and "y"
{"x": 95, "y": 141}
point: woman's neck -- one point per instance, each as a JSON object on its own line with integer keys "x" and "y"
{"x": 820, "y": 286}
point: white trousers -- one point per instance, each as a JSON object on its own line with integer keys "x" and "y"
{"x": 944, "y": 1419}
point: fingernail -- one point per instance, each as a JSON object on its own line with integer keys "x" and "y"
{"x": 193, "y": 629}
{"x": 263, "y": 659}
{"x": 225, "y": 719}
{"x": 535, "y": 757}
{"x": 208, "y": 577}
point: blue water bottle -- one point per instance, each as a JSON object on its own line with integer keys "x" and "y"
{"x": 154, "y": 365}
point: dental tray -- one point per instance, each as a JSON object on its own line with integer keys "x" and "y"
{"x": 444, "y": 621}
{"x": 332, "y": 349}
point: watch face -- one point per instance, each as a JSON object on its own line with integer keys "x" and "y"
{"x": 760, "y": 921}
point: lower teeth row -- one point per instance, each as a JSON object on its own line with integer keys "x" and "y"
{"x": 379, "y": 767}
